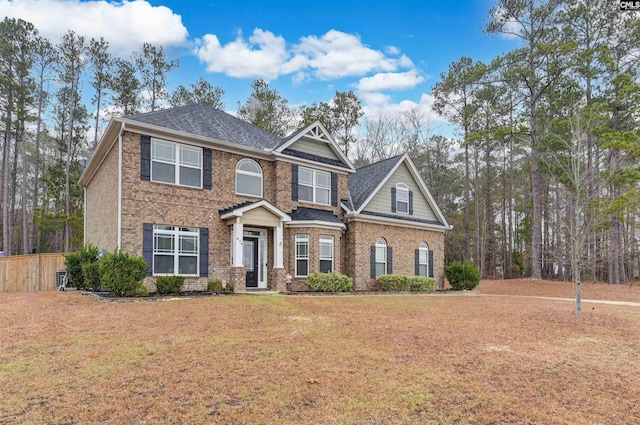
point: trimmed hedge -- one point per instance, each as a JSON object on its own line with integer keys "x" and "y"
{"x": 462, "y": 275}
{"x": 216, "y": 286}
{"x": 329, "y": 282}
{"x": 402, "y": 283}
{"x": 92, "y": 277}
{"x": 122, "y": 274}
{"x": 169, "y": 284}
{"x": 73, "y": 263}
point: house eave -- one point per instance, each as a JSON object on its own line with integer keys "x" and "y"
{"x": 316, "y": 224}
{"x": 317, "y": 165}
{"x": 396, "y": 222}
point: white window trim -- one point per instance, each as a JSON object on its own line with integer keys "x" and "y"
{"x": 423, "y": 248}
{"x": 301, "y": 239}
{"x": 327, "y": 240}
{"x": 175, "y": 234}
{"x": 249, "y": 173}
{"x": 402, "y": 188}
{"x": 314, "y": 185}
{"x": 177, "y": 163}
{"x": 381, "y": 243}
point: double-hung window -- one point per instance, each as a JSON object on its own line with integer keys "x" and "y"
{"x": 176, "y": 163}
{"x": 326, "y": 254}
{"x": 402, "y": 198}
{"x": 302, "y": 255}
{"x": 175, "y": 250}
{"x": 381, "y": 257}
{"x": 423, "y": 259}
{"x": 314, "y": 186}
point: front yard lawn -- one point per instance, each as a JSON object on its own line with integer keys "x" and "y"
{"x": 66, "y": 358}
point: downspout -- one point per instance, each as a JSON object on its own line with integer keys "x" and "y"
{"x": 119, "y": 231}
{"x": 84, "y": 215}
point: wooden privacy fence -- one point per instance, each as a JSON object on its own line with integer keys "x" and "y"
{"x": 27, "y": 273}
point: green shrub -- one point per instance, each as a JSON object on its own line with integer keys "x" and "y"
{"x": 422, "y": 284}
{"x": 462, "y": 275}
{"x": 216, "y": 286}
{"x": 329, "y": 282}
{"x": 122, "y": 274}
{"x": 91, "y": 273}
{"x": 73, "y": 263}
{"x": 402, "y": 283}
{"x": 169, "y": 284}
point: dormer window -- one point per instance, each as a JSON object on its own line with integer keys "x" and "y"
{"x": 402, "y": 198}
{"x": 248, "y": 178}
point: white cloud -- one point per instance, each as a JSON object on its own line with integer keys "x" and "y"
{"x": 263, "y": 56}
{"x": 425, "y": 105}
{"x": 511, "y": 28}
{"x": 390, "y": 81}
{"x": 126, "y": 25}
{"x": 333, "y": 55}
{"x": 337, "y": 54}
{"x": 392, "y": 50}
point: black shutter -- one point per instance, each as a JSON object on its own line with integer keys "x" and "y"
{"x": 430, "y": 263}
{"x": 411, "y": 202}
{"x": 207, "y": 169}
{"x": 204, "y": 252}
{"x": 417, "y": 262}
{"x": 389, "y": 260}
{"x": 145, "y": 157}
{"x": 147, "y": 246}
{"x": 294, "y": 182}
{"x": 373, "y": 262}
{"x": 393, "y": 199}
{"x": 334, "y": 189}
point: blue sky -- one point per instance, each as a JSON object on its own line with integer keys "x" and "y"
{"x": 389, "y": 53}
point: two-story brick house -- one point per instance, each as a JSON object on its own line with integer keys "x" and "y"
{"x": 201, "y": 193}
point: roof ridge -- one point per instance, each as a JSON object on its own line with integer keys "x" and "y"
{"x": 380, "y": 162}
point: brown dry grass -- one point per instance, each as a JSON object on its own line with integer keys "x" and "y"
{"x": 436, "y": 359}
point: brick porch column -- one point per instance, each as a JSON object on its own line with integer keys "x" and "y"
{"x": 238, "y": 279}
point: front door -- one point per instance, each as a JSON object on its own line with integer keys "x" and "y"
{"x": 250, "y": 261}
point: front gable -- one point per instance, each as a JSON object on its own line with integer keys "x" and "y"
{"x": 313, "y": 144}
{"x": 381, "y": 202}
{"x": 377, "y": 191}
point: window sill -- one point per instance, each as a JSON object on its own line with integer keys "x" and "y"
{"x": 176, "y": 185}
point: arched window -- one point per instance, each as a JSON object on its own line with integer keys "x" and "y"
{"x": 402, "y": 198}
{"x": 422, "y": 260}
{"x": 248, "y": 178}
{"x": 381, "y": 257}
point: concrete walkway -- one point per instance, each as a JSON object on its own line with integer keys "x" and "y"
{"x": 623, "y": 303}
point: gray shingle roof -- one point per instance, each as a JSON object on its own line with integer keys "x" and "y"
{"x": 233, "y": 207}
{"x": 304, "y": 214}
{"x": 365, "y": 180}
{"x": 316, "y": 158}
{"x": 208, "y": 122}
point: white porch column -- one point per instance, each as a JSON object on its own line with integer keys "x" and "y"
{"x": 236, "y": 243}
{"x": 278, "y": 249}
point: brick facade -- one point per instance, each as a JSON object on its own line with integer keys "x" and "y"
{"x": 168, "y": 204}
{"x": 403, "y": 240}
{"x": 101, "y": 207}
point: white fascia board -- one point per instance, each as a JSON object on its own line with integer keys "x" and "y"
{"x": 377, "y": 189}
{"x": 316, "y": 224}
{"x": 396, "y": 222}
{"x": 330, "y": 140}
{"x": 107, "y": 141}
{"x": 425, "y": 191}
{"x": 313, "y": 164}
{"x": 345, "y": 208}
{"x": 238, "y": 212}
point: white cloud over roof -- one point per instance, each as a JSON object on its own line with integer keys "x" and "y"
{"x": 390, "y": 81}
{"x": 264, "y": 55}
{"x": 126, "y": 25}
